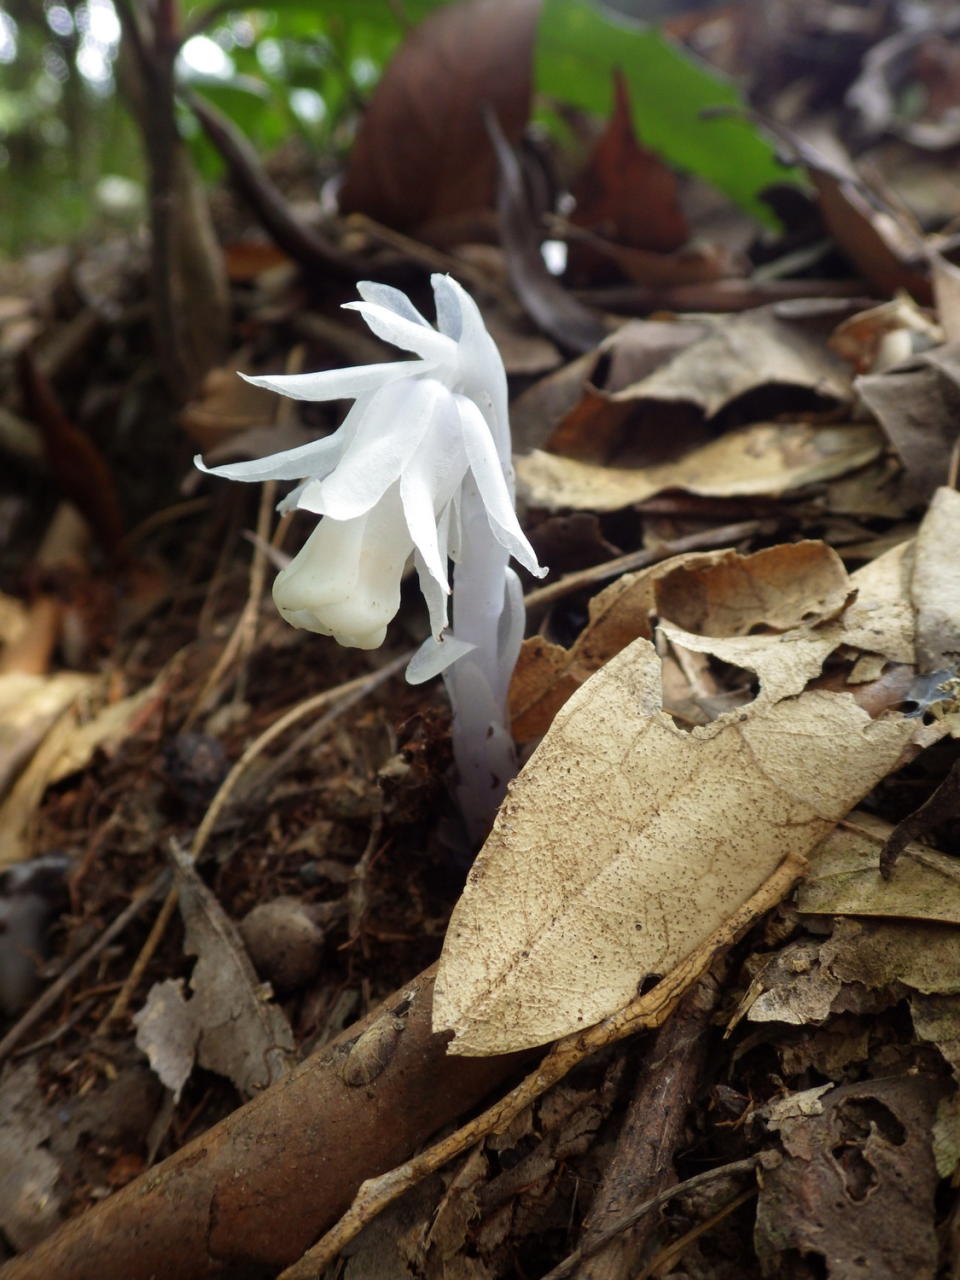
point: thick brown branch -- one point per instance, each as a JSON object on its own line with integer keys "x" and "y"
{"x": 259, "y": 1187}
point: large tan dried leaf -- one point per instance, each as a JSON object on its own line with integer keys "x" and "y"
{"x": 765, "y": 458}
{"x": 740, "y": 353}
{"x": 626, "y": 841}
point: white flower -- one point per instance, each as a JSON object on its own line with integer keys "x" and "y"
{"x": 389, "y": 481}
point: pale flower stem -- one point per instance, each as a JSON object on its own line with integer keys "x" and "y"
{"x": 478, "y": 683}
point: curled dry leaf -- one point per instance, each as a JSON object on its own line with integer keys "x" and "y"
{"x": 713, "y": 593}
{"x": 765, "y": 458}
{"x": 626, "y": 841}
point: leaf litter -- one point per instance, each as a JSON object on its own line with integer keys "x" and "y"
{"x": 701, "y": 719}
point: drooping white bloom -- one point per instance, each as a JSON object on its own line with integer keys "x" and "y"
{"x": 391, "y": 480}
{"x": 421, "y": 465}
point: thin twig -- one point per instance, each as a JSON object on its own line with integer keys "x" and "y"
{"x": 633, "y": 1215}
{"x": 344, "y": 696}
{"x": 245, "y": 628}
{"x": 633, "y": 560}
{"x": 669, "y": 1255}
{"x": 648, "y": 1010}
{"x": 56, "y": 989}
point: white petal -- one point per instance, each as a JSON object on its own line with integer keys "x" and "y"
{"x": 434, "y": 656}
{"x": 435, "y": 592}
{"x": 481, "y": 373}
{"x": 446, "y": 296}
{"x": 406, "y": 334}
{"x": 337, "y": 384}
{"x": 488, "y": 474}
{"x": 429, "y": 481}
{"x": 345, "y": 580}
{"x": 384, "y": 295}
{"x": 395, "y": 422}
{"x": 319, "y": 457}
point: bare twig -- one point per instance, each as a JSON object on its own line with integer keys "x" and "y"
{"x": 631, "y": 1217}
{"x": 648, "y": 1010}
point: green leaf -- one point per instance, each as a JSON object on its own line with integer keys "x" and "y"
{"x": 578, "y": 47}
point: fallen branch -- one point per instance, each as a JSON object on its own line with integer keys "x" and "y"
{"x": 251, "y": 1193}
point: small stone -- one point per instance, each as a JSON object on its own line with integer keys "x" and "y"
{"x": 284, "y": 942}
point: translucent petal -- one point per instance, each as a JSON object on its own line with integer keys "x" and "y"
{"x": 345, "y": 581}
{"x": 395, "y": 422}
{"x": 435, "y": 593}
{"x": 511, "y": 627}
{"x": 319, "y": 457}
{"x": 446, "y": 295}
{"x": 434, "y": 656}
{"x": 337, "y": 384}
{"x": 385, "y": 295}
{"x": 406, "y": 334}
{"x": 428, "y": 483}
{"x": 488, "y": 474}
{"x": 481, "y": 375}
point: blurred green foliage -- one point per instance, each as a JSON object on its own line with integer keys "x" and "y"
{"x": 70, "y": 155}
{"x": 70, "y": 159}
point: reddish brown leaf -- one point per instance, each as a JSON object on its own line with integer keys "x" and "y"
{"x": 77, "y": 466}
{"x": 625, "y": 193}
{"x": 423, "y": 152}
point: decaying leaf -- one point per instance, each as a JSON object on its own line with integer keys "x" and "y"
{"x": 235, "y": 1028}
{"x": 764, "y": 458}
{"x": 626, "y": 841}
{"x": 854, "y": 1192}
{"x": 423, "y": 153}
{"x": 625, "y": 193}
{"x": 31, "y": 1203}
{"x": 916, "y": 404}
{"x": 167, "y": 1033}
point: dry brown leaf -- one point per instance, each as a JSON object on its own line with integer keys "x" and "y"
{"x": 764, "y": 458}
{"x": 714, "y": 593}
{"x": 844, "y": 877}
{"x": 625, "y": 193}
{"x": 740, "y": 353}
{"x": 627, "y": 841}
{"x": 66, "y": 744}
{"x": 917, "y": 404}
{"x": 854, "y": 1192}
{"x": 935, "y": 584}
{"x": 29, "y": 706}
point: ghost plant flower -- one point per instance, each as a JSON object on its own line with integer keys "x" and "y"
{"x": 421, "y": 465}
